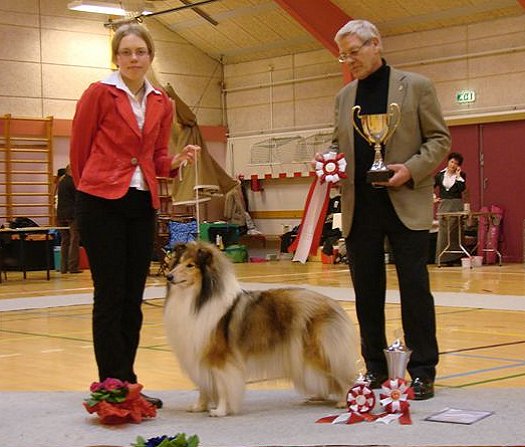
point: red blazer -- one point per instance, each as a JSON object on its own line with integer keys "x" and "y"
{"x": 107, "y": 145}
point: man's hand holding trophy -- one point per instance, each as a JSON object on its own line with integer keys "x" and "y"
{"x": 377, "y": 129}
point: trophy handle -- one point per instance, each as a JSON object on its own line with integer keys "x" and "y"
{"x": 355, "y": 111}
{"x": 394, "y": 116}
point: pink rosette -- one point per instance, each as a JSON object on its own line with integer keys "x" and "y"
{"x": 330, "y": 167}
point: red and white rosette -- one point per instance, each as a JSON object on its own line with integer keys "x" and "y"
{"x": 394, "y": 396}
{"x": 329, "y": 169}
{"x": 360, "y": 401}
{"x": 360, "y": 398}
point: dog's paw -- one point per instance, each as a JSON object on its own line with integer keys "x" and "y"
{"x": 217, "y": 413}
{"x": 198, "y": 407}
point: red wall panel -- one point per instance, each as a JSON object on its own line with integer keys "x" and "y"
{"x": 495, "y": 165}
{"x": 503, "y": 181}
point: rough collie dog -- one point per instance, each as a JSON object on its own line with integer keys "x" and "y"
{"x": 224, "y": 335}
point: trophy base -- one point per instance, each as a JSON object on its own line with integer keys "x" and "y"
{"x": 378, "y": 176}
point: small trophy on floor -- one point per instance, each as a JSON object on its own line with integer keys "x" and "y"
{"x": 395, "y": 392}
{"x": 377, "y": 130}
{"x": 397, "y": 357}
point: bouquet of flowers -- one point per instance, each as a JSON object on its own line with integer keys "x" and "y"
{"x": 179, "y": 440}
{"x": 118, "y": 402}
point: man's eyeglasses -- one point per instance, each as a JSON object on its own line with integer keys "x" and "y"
{"x": 141, "y": 52}
{"x": 343, "y": 57}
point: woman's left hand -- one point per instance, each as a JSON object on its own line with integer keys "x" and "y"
{"x": 188, "y": 154}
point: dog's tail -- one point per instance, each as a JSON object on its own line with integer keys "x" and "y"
{"x": 332, "y": 367}
{"x": 340, "y": 344}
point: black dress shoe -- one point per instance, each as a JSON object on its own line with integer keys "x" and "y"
{"x": 423, "y": 388}
{"x": 155, "y": 401}
{"x": 376, "y": 379}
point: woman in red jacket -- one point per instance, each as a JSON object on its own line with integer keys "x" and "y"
{"x": 119, "y": 145}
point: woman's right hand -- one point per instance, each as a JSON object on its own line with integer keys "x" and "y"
{"x": 188, "y": 154}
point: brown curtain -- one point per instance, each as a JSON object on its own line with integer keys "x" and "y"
{"x": 206, "y": 178}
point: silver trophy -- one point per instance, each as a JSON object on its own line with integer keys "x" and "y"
{"x": 397, "y": 357}
{"x": 377, "y": 130}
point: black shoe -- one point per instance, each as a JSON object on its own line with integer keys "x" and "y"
{"x": 375, "y": 379}
{"x": 423, "y": 388}
{"x": 155, "y": 401}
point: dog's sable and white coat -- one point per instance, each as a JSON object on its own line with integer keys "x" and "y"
{"x": 224, "y": 335}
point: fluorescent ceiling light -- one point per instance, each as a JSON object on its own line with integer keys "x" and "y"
{"x": 113, "y": 9}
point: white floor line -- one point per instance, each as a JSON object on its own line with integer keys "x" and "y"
{"x": 446, "y": 299}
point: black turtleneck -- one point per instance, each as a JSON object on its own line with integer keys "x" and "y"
{"x": 372, "y": 96}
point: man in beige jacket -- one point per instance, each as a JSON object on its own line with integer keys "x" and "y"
{"x": 399, "y": 209}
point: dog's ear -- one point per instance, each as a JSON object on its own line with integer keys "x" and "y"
{"x": 204, "y": 257}
{"x": 177, "y": 252}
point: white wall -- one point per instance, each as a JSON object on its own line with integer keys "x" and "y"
{"x": 50, "y": 55}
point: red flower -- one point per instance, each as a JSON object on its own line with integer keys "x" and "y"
{"x": 113, "y": 384}
{"x": 133, "y": 409}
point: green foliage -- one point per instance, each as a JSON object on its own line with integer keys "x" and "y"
{"x": 179, "y": 440}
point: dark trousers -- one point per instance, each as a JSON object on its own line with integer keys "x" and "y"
{"x": 70, "y": 246}
{"x": 118, "y": 238}
{"x": 375, "y": 219}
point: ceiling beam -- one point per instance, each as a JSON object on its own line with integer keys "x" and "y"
{"x": 322, "y": 19}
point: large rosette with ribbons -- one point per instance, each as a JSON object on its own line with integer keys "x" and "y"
{"x": 329, "y": 168}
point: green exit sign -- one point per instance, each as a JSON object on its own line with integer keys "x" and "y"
{"x": 465, "y": 96}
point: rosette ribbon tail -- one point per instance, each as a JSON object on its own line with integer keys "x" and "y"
{"x": 404, "y": 419}
{"x": 346, "y": 418}
{"x": 311, "y": 228}
{"x": 327, "y": 419}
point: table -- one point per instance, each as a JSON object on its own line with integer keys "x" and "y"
{"x": 460, "y": 216}
{"x": 23, "y": 233}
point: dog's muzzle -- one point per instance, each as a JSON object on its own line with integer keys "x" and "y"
{"x": 170, "y": 277}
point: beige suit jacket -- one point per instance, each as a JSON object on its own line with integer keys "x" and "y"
{"x": 420, "y": 142}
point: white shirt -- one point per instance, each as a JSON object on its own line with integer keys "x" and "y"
{"x": 450, "y": 179}
{"x": 139, "y": 110}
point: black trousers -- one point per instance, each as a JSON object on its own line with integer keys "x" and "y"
{"x": 118, "y": 238}
{"x": 375, "y": 219}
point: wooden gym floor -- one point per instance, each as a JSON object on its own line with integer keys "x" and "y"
{"x": 480, "y": 315}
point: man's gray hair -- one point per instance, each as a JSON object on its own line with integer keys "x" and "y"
{"x": 362, "y": 29}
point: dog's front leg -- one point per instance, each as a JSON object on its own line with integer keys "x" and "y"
{"x": 201, "y": 404}
{"x": 222, "y": 408}
{"x": 230, "y": 383}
